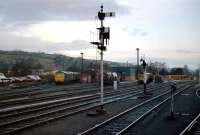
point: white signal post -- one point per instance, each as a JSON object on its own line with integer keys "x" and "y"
{"x": 102, "y": 43}
{"x": 104, "y": 35}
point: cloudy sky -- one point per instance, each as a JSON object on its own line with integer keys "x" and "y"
{"x": 164, "y": 30}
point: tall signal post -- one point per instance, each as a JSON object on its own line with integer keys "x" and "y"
{"x": 104, "y": 36}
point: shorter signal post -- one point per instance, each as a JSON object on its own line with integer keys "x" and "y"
{"x": 144, "y": 65}
{"x": 104, "y": 36}
{"x": 199, "y": 75}
{"x": 171, "y": 116}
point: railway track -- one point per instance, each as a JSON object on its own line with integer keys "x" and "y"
{"x": 42, "y": 95}
{"x": 68, "y": 100}
{"x": 121, "y": 123}
{"x": 57, "y": 94}
{"x": 193, "y": 128}
{"x": 79, "y": 98}
{"x": 40, "y": 117}
{"x": 41, "y": 90}
{"x": 49, "y": 88}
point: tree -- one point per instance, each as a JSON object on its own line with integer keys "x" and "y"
{"x": 25, "y": 66}
{"x": 21, "y": 68}
{"x": 58, "y": 60}
{"x": 4, "y": 67}
{"x": 158, "y": 67}
{"x": 38, "y": 66}
{"x": 73, "y": 68}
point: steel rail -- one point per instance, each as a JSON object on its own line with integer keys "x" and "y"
{"x": 68, "y": 93}
{"x": 49, "y": 97}
{"x": 17, "y": 108}
{"x": 64, "y": 115}
{"x": 188, "y": 129}
{"x": 49, "y": 89}
{"x": 47, "y": 105}
{"x": 57, "y": 100}
{"x": 148, "y": 112}
{"x": 41, "y": 90}
{"x": 21, "y": 107}
{"x": 90, "y": 131}
{"x": 113, "y": 95}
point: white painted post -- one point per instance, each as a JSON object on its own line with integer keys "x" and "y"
{"x": 102, "y": 79}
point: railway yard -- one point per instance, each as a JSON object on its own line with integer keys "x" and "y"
{"x": 61, "y": 75}
{"x": 63, "y": 109}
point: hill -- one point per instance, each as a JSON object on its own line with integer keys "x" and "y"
{"x": 40, "y": 60}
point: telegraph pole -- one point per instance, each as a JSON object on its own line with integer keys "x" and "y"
{"x": 63, "y": 63}
{"x": 81, "y": 65}
{"x": 104, "y": 36}
{"x": 137, "y": 77}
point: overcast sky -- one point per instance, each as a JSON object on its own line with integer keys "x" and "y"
{"x": 164, "y": 30}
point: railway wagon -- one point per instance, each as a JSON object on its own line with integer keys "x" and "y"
{"x": 149, "y": 78}
{"x": 64, "y": 77}
{"x": 110, "y": 77}
{"x": 178, "y": 77}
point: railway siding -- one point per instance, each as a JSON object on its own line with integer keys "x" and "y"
{"x": 117, "y": 123}
{"x": 186, "y": 109}
{"x": 41, "y": 119}
{"x": 51, "y": 113}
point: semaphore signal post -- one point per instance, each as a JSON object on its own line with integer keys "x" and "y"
{"x": 104, "y": 36}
